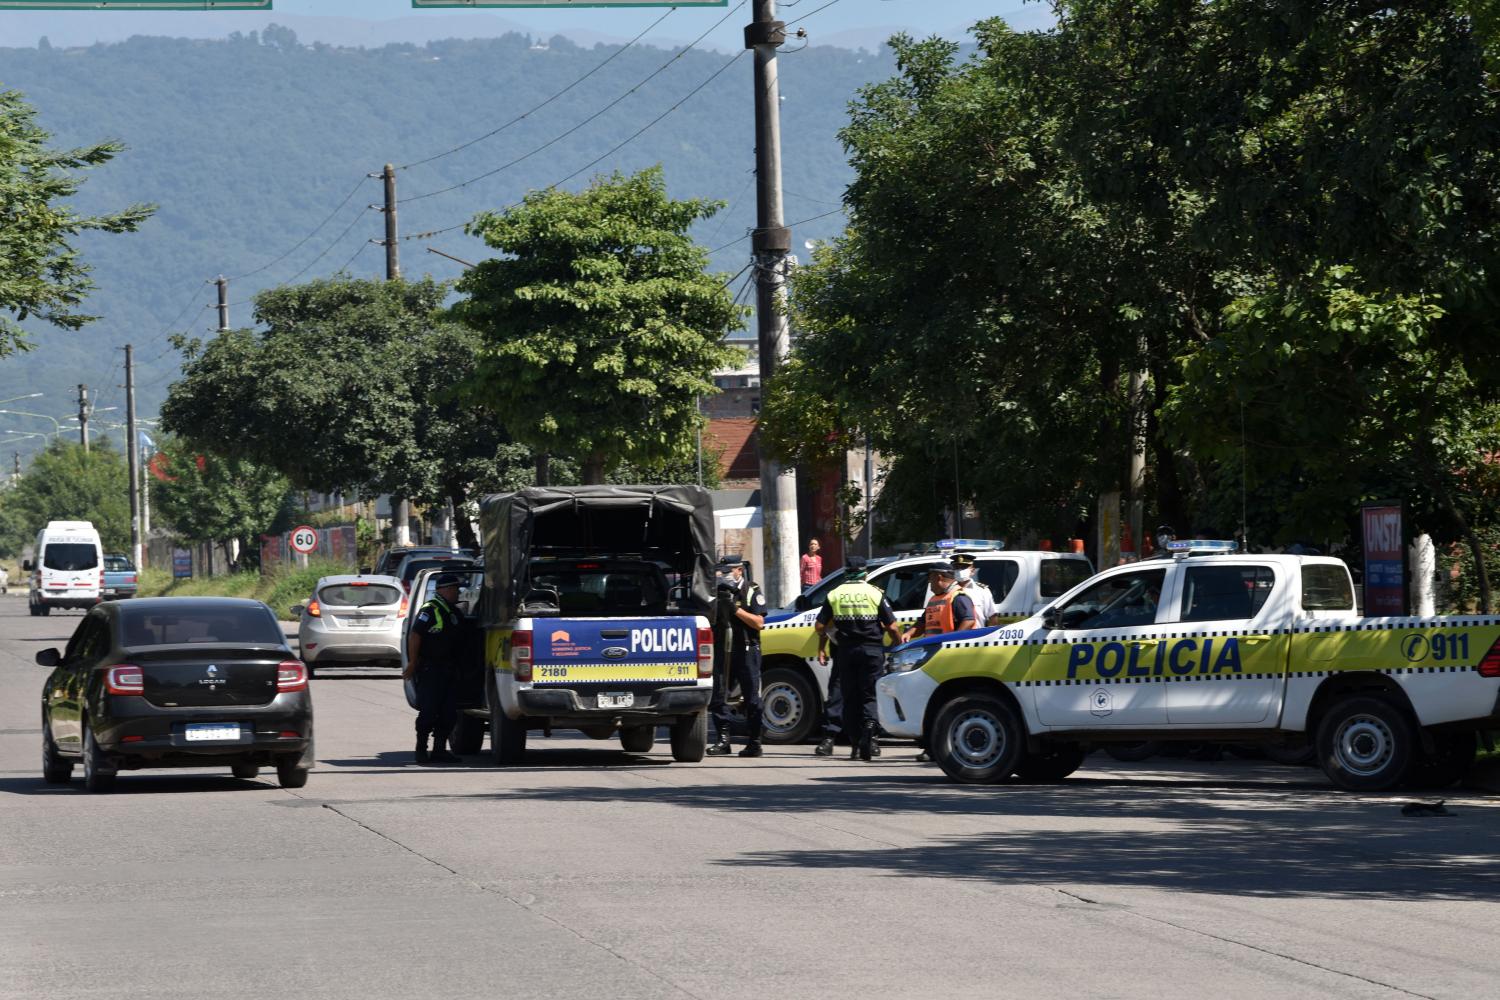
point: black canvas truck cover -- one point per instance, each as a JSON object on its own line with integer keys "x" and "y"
{"x": 673, "y": 525}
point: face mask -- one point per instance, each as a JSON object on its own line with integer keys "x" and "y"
{"x": 964, "y": 575}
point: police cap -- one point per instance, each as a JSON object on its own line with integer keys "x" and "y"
{"x": 729, "y": 562}
{"x": 856, "y": 563}
{"x": 963, "y": 560}
{"x": 943, "y": 569}
{"x": 448, "y": 580}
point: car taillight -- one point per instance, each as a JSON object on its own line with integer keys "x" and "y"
{"x": 405, "y": 607}
{"x": 1490, "y": 665}
{"x": 313, "y": 611}
{"x": 705, "y": 652}
{"x": 130, "y": 578}
{"x": 520, "y": 654}
{"x": 125, "y": 679}
{"x": 291, "y": 675}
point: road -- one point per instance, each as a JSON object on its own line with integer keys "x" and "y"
{"x": 590, "y": 873}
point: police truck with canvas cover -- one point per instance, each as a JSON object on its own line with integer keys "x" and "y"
{"x": 1208, "y": 645}
{"x": 594, "y": 607}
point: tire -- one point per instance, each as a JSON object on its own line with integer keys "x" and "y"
{"x": 1366, "y": 744}
{"x": 791, "y": 705}
{"x": 1054, "y": 764}
{"x": 56, "y": 769}
{"x": 978, "y": 739}
{"x": 507, "y": 735}
{"x": 246, "y": 772}
{"x": 690, "y": 737}
{"x": 1130, "y": 753}
{"x": 291, "y": 773}
{"x": 98, "y": 776}
{"x": 43, "y": 610}
{"x": 1447, "y": 764}
{"x": 637, "y": 739}
{"x": 468, "y": 734}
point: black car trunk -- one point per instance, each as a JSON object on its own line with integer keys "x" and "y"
{"x": 193, "y": 676}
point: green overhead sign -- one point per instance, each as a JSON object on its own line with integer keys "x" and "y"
{"x": 559, "y": 4}
{"x": 135, "y": 4}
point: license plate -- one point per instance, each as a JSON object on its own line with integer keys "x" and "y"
{"x": 357, "y": 622}
{"x": 623, "y": 700}
{"x": 209, "y": 732}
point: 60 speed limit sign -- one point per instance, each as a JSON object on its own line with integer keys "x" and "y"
{"x": 304, "y": 539}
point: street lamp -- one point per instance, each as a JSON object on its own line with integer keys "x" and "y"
{"x": 31, "y": 434}
{"x": 57, "y": 426}
{"x": 30, "y": 395}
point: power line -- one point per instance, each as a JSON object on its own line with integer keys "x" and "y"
{"x": 810, "y": 13}
{"x": 537, "y": 107}
{"x": 300, "y": 243}
{"x": 345, "y": 265}
{"x": 591, "y": 118}
{"x": 789, "y": 225}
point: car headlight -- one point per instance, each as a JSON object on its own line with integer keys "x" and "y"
{"x": 909, "y": 658}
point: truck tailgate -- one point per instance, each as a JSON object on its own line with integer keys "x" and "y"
{"x": 574, "y": 651}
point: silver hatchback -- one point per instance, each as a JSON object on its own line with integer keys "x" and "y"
{"x": 352, "y": 620}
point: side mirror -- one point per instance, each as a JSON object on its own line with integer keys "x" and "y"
{"x": 48, "y": 657}
{"x": 801, "y": 603}
{"x": 1051, "y": 619}
{"x": 296, "y": 609}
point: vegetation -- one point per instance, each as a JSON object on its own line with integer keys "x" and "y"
{"x": 65, "y": 483}
{"x": 280, "y": 589}
{"x": 213, "y": 498}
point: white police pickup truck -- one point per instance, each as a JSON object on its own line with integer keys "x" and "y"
{"x": 1207, "y": 645}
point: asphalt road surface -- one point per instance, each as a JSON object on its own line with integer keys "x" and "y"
{"x": 592, "y": 873}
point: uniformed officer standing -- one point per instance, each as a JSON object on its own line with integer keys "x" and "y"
{"x": 983, "y": 598}
{"x": 857, "y": 613}
{"x": 433, "y": 649}
{"x": 746, "y": 607}
{"x": 948, "y": 610}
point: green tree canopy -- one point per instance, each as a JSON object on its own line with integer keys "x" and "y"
{"x": 65, "y": 483}
{"x": 599, "y": 328}
{"x": 209, "y": 497}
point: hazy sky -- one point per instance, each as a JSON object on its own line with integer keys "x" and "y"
{"x": 844, "y": 22}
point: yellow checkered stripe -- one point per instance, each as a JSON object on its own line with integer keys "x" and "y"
{"x": 614, "y": 673}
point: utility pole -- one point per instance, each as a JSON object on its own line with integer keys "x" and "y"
{"x": 400, "y": 509}
{"x": 83, "y": 417}
{"x": 17, "y": 477}
{"x": 132, "y": 463}
{"x": 771, "y": 243}
{"x": 223, "y": 284}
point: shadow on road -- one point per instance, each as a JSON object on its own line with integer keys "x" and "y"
{"x": 142, "y": 784}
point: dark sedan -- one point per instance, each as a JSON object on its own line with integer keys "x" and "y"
{"x": 176, "y": 682}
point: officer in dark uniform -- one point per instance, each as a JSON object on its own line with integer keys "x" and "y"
{"x": 857, "y": 613}
{"x": 434, "y": 646}
{"x": 742, "y": 611}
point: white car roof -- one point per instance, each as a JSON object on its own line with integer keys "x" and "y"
{"x": 370, "y": 578}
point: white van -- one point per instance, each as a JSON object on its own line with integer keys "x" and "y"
{"x": 67, "y": 570}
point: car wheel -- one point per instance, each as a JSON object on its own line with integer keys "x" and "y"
{"x": 56, "y": 769}
{"x": 290, "y": 773}
{"x": 507, "y": 735}
{"x": 690, "y": 737}
{"x": 43, "y": 610}
{"x": 1129, "y": 753}
{"x": 790, "y": 705}
{"x": 1450, "y": 760}
{"x": 637, "y": 739}
{"x": 1053, "y": 764}
{"x": 98, "y": 775}
{"x": 468, "y": 734}
{"x": 245, "y": 771}
{"x": 1365, "y": 744}
{"x": 978, "y": 739}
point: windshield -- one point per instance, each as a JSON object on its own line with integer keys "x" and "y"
{"x": 359, "y": 595}
{"x": 414, "y": 566}
{"x": 600, "y": 588}
{"x": 70, "y": 556}
{"x": 220, "y": 625}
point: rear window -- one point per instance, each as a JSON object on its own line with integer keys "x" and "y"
{"x": 601, "y": 589}
{"x": 118, "y": 564}
{"x": 416, "y": 566}
{"x": 1326, "y": 587}
{"x": 233, "y": 626}
{"x": 1058, "y": 576}
{"x": 1223, "y": 593}
{"x": 70, "y": 556}
{"x": 359, "y": 595}
{"x": 999, "y": 575}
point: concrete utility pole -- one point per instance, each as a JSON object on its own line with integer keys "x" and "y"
{"x": 132, "y": 462}
{"x": 223, "y": 284}
{"x": 771, "y": 242}
{"x": 400, "y": 509}
{"x": 83, "y": 417}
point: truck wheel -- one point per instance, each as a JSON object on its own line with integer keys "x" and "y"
{"x": 1130, "y": 753}
{"x": 98, "y": 774}
{"x": 1053, "y": 764}
{"x": 690, "y": 737}
{"x": 637, "y": 739}
{"x": 56, "y": 769}
{"x": 790, "y": 705}
{"x": 468, "y": 734}
{"x": 1450, "y": 760}
{"x": 1365, "y": 744}
{"x": 978, "y": 739}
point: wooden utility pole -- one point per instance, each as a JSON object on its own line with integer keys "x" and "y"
{"x": 83, "y": 417}
{"x": 771, "y": 243}
{"x": 223, "y": 284}
{"x": 400, "y": 508}
{"x": 132, "y": 461}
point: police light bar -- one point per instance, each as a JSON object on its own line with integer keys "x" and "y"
{"x": 951, "y": 544}
{"x": 1183, "y": 547}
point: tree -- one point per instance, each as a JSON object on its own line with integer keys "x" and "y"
{"x": 210, "y": 497}
{"x": 599, "y": 328}
{"x": 66, "y": 483}
{"x": 41, "y": 273}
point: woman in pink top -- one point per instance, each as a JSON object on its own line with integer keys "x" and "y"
{"x": 812, "y": 564}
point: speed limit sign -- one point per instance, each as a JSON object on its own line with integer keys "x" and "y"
{"x": 304, "y": 539}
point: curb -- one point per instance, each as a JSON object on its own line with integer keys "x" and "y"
{"x": 1484, "y": 777}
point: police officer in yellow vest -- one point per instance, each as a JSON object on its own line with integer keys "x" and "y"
{"x": 857, "y": 613}
{"x": 433, "y": 648}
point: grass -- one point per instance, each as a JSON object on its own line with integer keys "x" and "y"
{"x": 280, "y": 589}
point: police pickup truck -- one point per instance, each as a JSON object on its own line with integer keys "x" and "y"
{"x": 594, "y": 609}
{"x": 794, "y": 685}
{"x": 1208, "y": 644}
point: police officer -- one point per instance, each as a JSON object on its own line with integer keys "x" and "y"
{"x": 949, "y": 609}
{"x": 985, "y": 608}
{"x": 743, "y": 609}
{"x": 433, "y": 649}
{"x": 857, "y": 613}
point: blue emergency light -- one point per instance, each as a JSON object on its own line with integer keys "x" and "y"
{"x": 1181, "y": 548}
{"x": 950, "y": 544}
